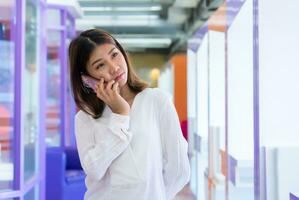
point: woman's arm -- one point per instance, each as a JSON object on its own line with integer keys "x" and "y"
{"x": 176, "y": 167}
{"x": 99, "y": 144}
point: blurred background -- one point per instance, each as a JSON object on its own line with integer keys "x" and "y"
{"x": 231, "y": 67}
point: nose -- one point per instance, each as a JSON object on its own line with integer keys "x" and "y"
{"x": 113, "y": 67}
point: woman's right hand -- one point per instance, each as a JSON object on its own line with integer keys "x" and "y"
{"x": 109, "y": 93}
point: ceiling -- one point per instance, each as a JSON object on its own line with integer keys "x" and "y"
{"x": 147, "y": 25}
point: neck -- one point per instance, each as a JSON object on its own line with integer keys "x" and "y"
{"x": 127, "y": 94}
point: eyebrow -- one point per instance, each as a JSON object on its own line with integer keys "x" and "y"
{"x": 101, "y": 58}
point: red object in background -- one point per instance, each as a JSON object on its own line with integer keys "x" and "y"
{"x": 4, "y": 121}
{"x": 184, "y": 127}
{"x": 5, "y": 125}
{"x": 5, "y": 32}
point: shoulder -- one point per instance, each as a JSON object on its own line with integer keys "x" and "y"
{"x": 83, "y": 117}
{"x": 159, "y": 96}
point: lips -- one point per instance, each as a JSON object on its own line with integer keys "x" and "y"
{"x": 119, "y": 76}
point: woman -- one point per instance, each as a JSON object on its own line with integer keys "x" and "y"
{"x": 128, "y": 135}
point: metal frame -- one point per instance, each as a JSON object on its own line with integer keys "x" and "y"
{"x": 63, "y": 74}
{"x": 43, "y": 84}
{"x": 19, "y": 64}
{"x": 256, "y": 116}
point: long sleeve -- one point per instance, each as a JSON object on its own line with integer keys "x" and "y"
{"x": 176, "y": 167}
{"x": 100, "y": 143}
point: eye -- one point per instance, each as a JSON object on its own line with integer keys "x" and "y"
{"x": 100, "y": 65}
{"x": 114, "y": 54}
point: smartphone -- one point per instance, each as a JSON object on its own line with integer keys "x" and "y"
{"x": 89, "y": 81}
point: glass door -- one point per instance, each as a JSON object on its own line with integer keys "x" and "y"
{"x": 7, "y": 95}
{"x": 21, "y": 164}
{"x": 30, "y": 100}
{"x": 60, "y": 105}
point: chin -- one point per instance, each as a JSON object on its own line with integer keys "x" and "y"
{"x": 122, "y": 83}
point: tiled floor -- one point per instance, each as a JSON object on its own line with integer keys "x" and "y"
{"x": 185, "y": 194}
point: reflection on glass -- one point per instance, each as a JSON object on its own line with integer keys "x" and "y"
{"x": 7, "y": 73}
{"x": 191, "y": 115}
{"x": 69, "y": 28}
{"x": 32, "y": 194}
{"x": 30, "y": 100}
{"x": 69, "y": 135}
{"x": 53, "y": 19}
{"x": 216, "y": 102}
{"x": 240, "y": 105}
{"x": 55, "y": 65}
{"x": 201, "y": 136}
{"x": 53, "y": 89}
{"x": 278, "y": 100}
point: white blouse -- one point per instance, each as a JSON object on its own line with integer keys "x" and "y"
{"x": 142, "y": 156}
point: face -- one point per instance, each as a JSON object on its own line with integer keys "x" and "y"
{"x": 107, "y": 62}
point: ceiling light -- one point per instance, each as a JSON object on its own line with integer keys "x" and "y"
{"x": 132, "y": 9}
{"x": 122, "y": 17}
{"x": 104, "y": 22}
{"x": 145, "y": 42}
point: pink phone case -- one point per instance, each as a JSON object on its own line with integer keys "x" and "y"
{"x": 89, "y": 81}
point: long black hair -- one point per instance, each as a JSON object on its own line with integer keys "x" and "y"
{"x": 80, "y": 50}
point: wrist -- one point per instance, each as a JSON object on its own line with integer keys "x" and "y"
{"x": 120, "y": 112}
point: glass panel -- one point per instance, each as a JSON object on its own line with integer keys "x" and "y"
{"x": 71, "y": 108}
{"x": 216, "y": 101}
{"x": 69, "y": 136}
{"x": 69, "y": 27}
{"x": 32, "y": 194}
{"x": 240, "y": 105}
{"x": 201, "y": 133}
{"x": 191, "y": 98}
{"x": 53, "y": 18}
{"x": 53, "y": 89}
{"x": 278, "y": 98}
{"x": 7, "y": 73}
{"x": 30, "y": 102}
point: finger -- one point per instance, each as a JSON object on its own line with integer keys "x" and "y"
{"x": 115, "y": 87}
{"x": 101, "y": 84}
{"x": 96, "y": 87}
{"x": 109, "y": 87}
{"x": 101, "y": 91}
{"x": 100, "y": 96}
